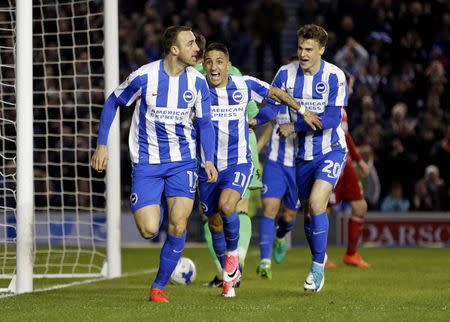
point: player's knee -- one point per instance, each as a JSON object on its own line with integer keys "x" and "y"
{"x": 226, "y": 209}
{"x": 360, "y": 208}
{"x": 215, "y": 224}
{"x": 148, "y": 231}
{"x": 317, "y": 206}
{"x": 305, "y": 207}
{"x": 177, "y": 229}
{"x": 270, "y": 209}
{"x": 289, "y": 215}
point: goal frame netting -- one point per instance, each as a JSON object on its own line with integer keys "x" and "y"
{"x": 22, "y": 280}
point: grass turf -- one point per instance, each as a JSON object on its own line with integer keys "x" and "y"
{"x": 403, "y": 284}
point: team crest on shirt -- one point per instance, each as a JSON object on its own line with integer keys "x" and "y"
{"x": 188, "y": 96}
{"x": 264, "y": 189}
{"x": 238, "y": 96}
{"x": 321, "y": 87}
{"x": 204, "y": 207}
{"x": 133, "y": 198}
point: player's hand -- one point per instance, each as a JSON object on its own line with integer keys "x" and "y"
{"x": 365, "y": 169}
{"x": 285, "y": 130}
{"x": 312, "y": 120}
{"x": 211, "y": 172}
{"x": 100, "y": 158}
{"x": 251, "y": 123}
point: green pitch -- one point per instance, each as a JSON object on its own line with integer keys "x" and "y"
{"x": 403, "y": 285}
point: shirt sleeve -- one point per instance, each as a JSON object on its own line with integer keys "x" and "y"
{"x": 267, "y": 113}
{"x": 280, "y": 79}
{"x": 203, "y": 100}
{"x": 207, "y": 137}
{"x": 258, "y": 90}
{"x": 331, "y": 118}
{"x": 127, "y": 92}
{"x": 203, "y": 114}
{"x": 338, "y": 90}
{"x": 270, "y": 110}
{"x": 107, "y": 117}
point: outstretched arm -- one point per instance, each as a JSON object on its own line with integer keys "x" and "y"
{"x": 308, "y": 117}
{"x": 331, "y": 118}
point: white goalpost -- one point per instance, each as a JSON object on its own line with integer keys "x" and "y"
{"x": 58, "y": 218}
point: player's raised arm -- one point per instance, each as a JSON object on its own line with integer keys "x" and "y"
{"x": 282, "y": 97}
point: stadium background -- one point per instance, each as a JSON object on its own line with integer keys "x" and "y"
{"x": 398, "y": 114}
{"x": 397, "y": 50}
{"x": 408, "y": 284}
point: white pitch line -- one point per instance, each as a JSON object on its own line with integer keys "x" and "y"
{"x": 89, "y": 281}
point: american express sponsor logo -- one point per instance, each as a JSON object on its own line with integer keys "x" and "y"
{"x": 313, "y": 105}
{"x": 232, "y": 112}
{"x": 170, "y": 115}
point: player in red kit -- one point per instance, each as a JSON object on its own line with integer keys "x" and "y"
{"x": 349, "y": 189}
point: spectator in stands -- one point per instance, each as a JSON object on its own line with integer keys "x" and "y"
{"x": 416, "y": 74}
{"x": 352, "y": 57}
{"x": 267, "y": 23}
{"x": 395, "y": 200}
{"x": 441, "y": 156}
{"x": 371, "y": 183}
{"x": 430, "y": 191}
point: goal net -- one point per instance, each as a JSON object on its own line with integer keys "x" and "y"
{"x": 68, "y": 94}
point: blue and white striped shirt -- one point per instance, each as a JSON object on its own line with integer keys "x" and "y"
{"x": 280, "y": 149}
{"x": 323, "y": 92}
{"x": 162, "y": 128}
{"x": 229, "y": 117}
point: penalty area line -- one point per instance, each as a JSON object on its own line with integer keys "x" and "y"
{"x": 89, "y": 281}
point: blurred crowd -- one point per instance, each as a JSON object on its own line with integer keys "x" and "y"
{"x": 397, "y": 51}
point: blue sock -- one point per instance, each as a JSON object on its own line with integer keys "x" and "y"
{"x": 307, "y": 229}
{"x": 219, "y": 245}
{"x": 266, "y": 236}
{"x": 231, "y": 230}
{"x": 284, "y": 227}
{"x": 319, "y": 236}
{"x": 168, "y": 259}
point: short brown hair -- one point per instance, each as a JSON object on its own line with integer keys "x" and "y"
{"x": 315, "y": 32}
{"x": 200, "y": 40}
{"x": 169, "y": 37}
{"x": 219, "y": 47}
